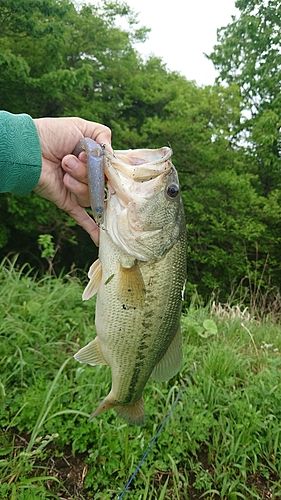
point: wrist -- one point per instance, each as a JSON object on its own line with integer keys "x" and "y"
{"x": 20, "y": 153}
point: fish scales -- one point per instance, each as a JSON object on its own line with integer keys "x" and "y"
{"x": 143, "y": 237}
{"x": 129, "y": 333}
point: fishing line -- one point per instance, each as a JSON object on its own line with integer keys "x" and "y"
{"x": 151, "y": 443}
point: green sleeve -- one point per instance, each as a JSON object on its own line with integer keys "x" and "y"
{"x": 20, "y": 153}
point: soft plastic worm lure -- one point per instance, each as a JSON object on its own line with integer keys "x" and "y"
{"x": 95, "y": 165}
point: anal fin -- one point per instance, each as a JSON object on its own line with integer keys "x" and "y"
{"x": 171, "y": 361}
{"x": 91, "y": 354}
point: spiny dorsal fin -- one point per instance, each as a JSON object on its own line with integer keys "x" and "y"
{"x": 95, "y": 275}
{"x": 91, "y": 354}
{"x": 171, "y": 362}
{"x": 131, "y": 289}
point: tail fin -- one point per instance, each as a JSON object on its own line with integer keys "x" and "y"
{"x": 133, "y": 413}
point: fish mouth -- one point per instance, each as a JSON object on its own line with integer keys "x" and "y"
{"x": 141, "y": 164}
{"x": 133, "y": 173}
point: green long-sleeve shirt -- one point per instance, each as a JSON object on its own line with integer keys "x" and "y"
{"x": 20, "y": 153}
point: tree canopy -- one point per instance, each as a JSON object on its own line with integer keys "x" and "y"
{"x": 248, "y": 53}
{"x": 59, "y": 60}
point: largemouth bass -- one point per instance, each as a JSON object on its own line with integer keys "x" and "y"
{"x": 139, "y": 278}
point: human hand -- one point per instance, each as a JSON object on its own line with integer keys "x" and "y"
{"x": 63, "y": 177}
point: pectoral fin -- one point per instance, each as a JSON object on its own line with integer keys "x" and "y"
{"x": 95, "y": 275}
{"x": 91, "y": 354}
{"x": 171, "y": 362}
{"x": 131, "y": 289}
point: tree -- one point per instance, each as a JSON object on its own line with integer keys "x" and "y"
{"x": 63, "y": 59}
{"x": 224, "y": 211}
{"x": 248, "y": 53}
{"x": 57, "y": 60}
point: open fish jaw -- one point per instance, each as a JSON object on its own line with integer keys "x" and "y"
{"x": 141, "y": 164}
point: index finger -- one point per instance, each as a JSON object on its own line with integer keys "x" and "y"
{"x": 100, "y": 133}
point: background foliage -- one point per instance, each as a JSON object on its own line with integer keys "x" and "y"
{"x": 57, "y": 59}
{"x": 222, "y": 440}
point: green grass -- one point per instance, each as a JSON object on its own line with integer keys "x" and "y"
{"x": 223, "y": 439}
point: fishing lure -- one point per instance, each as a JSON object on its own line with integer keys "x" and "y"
{"x": 95, "y": 165}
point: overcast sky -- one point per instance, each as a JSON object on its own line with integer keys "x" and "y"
{"x": 181, "y": 31}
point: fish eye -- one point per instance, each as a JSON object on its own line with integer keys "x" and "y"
{"x": 173, "y": 190}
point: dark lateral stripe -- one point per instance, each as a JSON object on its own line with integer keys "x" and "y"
{"x": 140, "y": 357}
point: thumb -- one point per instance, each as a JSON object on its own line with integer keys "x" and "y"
{"x": 84, "y": 220}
